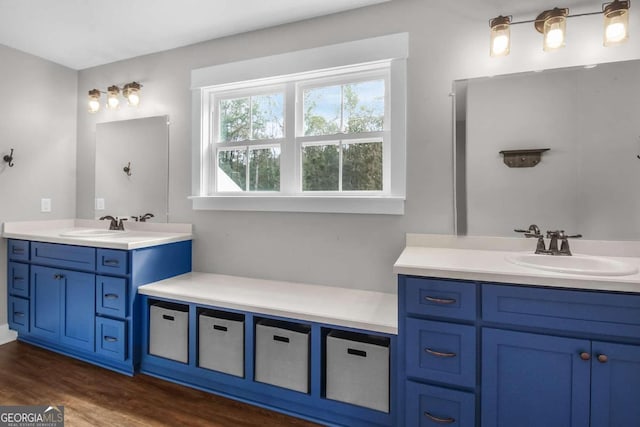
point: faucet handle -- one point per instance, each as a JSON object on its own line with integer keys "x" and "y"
{"x": 533, "y": 231}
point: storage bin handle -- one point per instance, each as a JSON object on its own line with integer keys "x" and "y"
{"x": 167, "y": 317}
{"x": 439, "y": 420}
{"x": 281, "y": 339}
{"x": 108, "y": 338}
{"x": 357, "y": 352}
{"x": 220, "y": 328}
{"x": 111, "y": 296}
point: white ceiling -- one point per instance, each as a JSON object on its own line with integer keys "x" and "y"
{"x": 85, "y": 33}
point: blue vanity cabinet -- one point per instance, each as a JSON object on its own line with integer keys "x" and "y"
{"x": 549, "y": 357}
{"x": 82, "y": 301}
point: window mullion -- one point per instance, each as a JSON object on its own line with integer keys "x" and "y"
{"x": 340, "y": 166}
{"x": 289, "y": 156}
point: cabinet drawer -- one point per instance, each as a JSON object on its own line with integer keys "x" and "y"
{"x": 434, "y": 406}
{"x": 111, "y": 296}
{"x": 112, "y": 261}
{"x": 579, "y": 311}
{"x": 111, "y": 338}
{"x": 64, "y": 256}
{"x": 442, "y": 298}
{"x": 441, "y": 352}
{"x": 18, "y": 279}
{"x": 19, "y": 314}
{"x": 18, "y": 250}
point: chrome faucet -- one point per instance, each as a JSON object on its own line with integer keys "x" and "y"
{"x": 553, "y": 236}
{"x": 115, "y": 224}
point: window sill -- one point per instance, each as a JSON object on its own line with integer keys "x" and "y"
{"x": 385, "y": 205}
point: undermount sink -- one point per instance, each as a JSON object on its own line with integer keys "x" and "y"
{"x": 575, "y": 264}
{"x": 91, "y": 233}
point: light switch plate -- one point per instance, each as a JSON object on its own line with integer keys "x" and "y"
{"x": 99, "y": 204}
{"x": 45, "y": 205}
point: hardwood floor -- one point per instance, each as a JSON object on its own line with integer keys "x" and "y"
{"x": 95, "y": 397}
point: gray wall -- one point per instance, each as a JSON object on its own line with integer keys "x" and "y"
{"x": 341, "y": 250}
{"x": 37, "y": 120}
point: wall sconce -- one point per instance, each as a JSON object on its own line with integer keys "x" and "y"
{"x": 553, "y": 25}
{"x": 131, "y": 92}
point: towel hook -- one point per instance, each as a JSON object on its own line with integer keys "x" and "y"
{"x": 9, "y": 158}
{"x": 127, "y": 169}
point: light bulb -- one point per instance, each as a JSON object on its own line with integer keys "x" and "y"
{"x": 131, "y": 91}
{"x": 500, "y": 36}
{"x": 112, "y": 97}
{"x": 133, "y": 99}
{"x": 94, "y": 100}
{"x": 616, "y": 23}
{"x": 555, "y": 37}
{"x": 554, "y": 30}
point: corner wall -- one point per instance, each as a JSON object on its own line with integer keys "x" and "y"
{"x": 38, "y": 120}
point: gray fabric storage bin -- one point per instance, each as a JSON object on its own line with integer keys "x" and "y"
{"x": 221, "y": 342}
{"x": 169, "y": 331}
{"x": 282, "y": 354}
{"x": 358, "y": 369}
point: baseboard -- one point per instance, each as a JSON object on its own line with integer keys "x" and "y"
{"x": 7, "y": 335}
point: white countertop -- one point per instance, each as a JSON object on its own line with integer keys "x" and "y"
{"x": 137, "y": 235}
{"x": 368, "y": 310}
{"x": 468, "y": 259}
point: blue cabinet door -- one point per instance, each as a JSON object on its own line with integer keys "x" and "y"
{"x": 615, "y": 385}
{"x": 532, "y": 380}
{"x": 46, "y": 292}
{"x": 78, "y": 309}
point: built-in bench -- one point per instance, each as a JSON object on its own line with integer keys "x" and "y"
{"x": 367, "y": 319}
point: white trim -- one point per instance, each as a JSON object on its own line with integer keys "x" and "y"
{"x": 385, "y": 205}
{"x": 7, "y": 335}
{"x": 392, "y": 46}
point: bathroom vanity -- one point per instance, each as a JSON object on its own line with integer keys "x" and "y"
{"x": 490, "y": 342}
{"x": 72, "y": 284}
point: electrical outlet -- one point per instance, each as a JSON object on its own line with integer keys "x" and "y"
{"x": 99, "y": 204}
{"x": 45, "y": 205}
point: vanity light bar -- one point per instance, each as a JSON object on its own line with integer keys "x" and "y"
{"x": 552, "y": 24}
{"x": 130, "y": 91}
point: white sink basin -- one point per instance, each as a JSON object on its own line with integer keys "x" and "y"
{"x": 575, "y": 264}
{"x": 91, "y": 233}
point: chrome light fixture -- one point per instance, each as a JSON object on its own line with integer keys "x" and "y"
{"x": 94, "y": 100}
{"x": 616, "y": 22}
{"x": 500, "y": 36}
{"x": 553, "y": 25}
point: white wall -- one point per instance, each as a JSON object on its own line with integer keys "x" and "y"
{"x": 37, "y": 120}
{"x": 448, "y": 41}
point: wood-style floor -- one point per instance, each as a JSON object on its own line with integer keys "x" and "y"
{"x": 96, "y": 397}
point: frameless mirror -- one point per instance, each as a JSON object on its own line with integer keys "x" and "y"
{"x": 132, "y": 168}
{"x": 588, "y": 118}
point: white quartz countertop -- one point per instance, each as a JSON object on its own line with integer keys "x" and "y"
{"x": 136, "y": 235}
{"x": 368, "y": 310}
{"x": 465, "y": 261}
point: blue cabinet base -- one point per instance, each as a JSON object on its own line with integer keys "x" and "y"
{"x": 312, "y": 406}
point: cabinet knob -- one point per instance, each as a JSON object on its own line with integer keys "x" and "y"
{"x": 58, "y": 276}
{"x": 585, "y": 356}
{"x": 602, "y": 358}
{"x": 448, "y": 420}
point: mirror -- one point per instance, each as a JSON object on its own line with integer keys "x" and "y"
{"x": 587, "y": 183}
{"x": 132, "y": 168}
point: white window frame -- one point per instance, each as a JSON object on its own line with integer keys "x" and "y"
{"x": 380, "y": 56}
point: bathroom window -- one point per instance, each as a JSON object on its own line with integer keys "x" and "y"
{"x": 317, "y": 140}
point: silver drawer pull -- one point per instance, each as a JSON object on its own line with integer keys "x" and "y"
{"x": 440, "y": 300}
{"x": 18, "y": 314}
{"x": 111, "y": 262}
{"x": 439, "y": 353}
{"x": 108, "y": 338}
{"x": 17, "y": 278}
{"x": 110, "y": 296}
{"x": 439, "y": 420}
{"x": 17, "y": 250}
